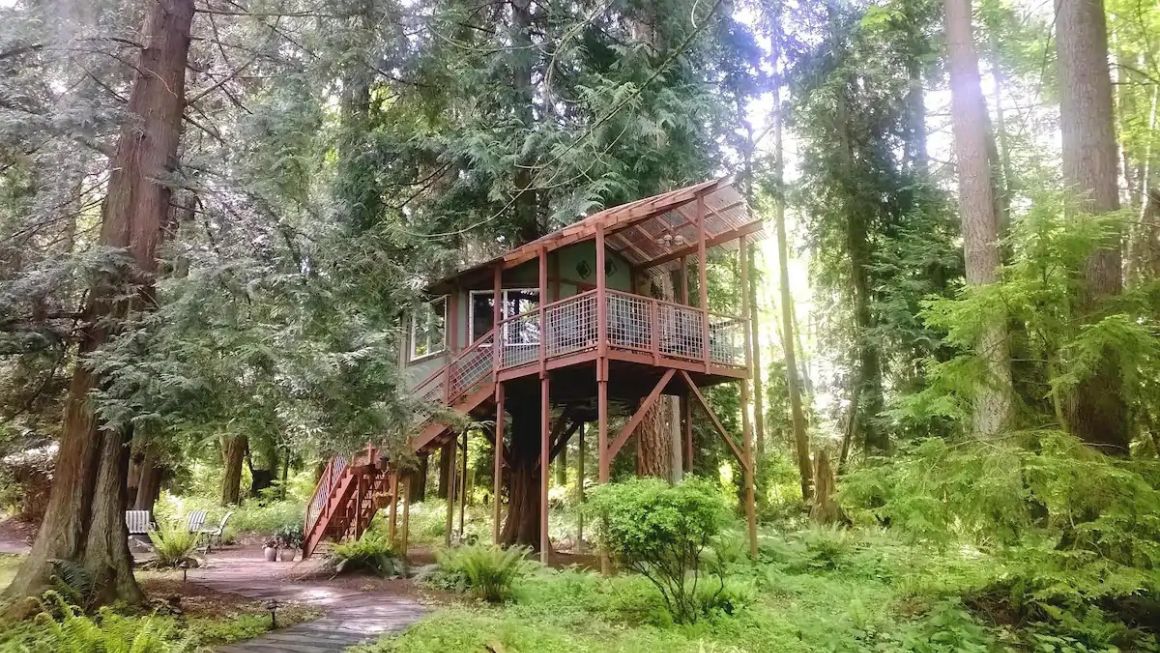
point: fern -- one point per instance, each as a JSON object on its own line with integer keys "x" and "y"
{"x": 173, "y": 544}
{"x": 371, "y": 553}
{"x": 489, "y": 571}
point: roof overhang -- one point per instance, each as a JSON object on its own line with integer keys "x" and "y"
{"x": 654, "y": 232}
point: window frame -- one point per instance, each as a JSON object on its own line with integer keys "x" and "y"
{"x": 412, "y": 355}
{"x": 503, "y": 314}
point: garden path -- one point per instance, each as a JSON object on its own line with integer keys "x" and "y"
{"x": 353, "y": 614}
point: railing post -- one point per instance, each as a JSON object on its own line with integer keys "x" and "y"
{"x": 497, "y": 342}
{"x": 703, "y": 280}
{"x": 654, "y": 330}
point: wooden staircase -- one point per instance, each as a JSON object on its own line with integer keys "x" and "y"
{"x": 352, "y": 490}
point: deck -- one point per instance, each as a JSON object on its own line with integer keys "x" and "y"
{"x": 568, "y": 332}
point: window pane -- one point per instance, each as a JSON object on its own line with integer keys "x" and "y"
{"x": 482, "y": 307}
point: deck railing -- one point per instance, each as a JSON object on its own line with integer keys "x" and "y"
{"x": 326, "y": 483}
{"x": 635, "y": 323}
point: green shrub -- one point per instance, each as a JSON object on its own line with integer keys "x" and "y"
{"x": 64, "y": 628}
{"x": 265, "y": 519}
{"x": 662, "y": 532}
{"x": 173, "y": 544}
{"x": 291, "y": 534}
{"x": 372, "y": 553}
{"x": 487, "y": 570}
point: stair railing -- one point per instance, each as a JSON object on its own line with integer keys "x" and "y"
{"x": 319, "y": 505}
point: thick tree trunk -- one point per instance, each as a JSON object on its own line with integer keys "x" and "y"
{"x": 977, "y": 210}
{"x": 1097, "y": 412}
{"x": 654, "y": 449}
{"x": 523, "y": 522}
{"x": 797, "y": 415}
{"x": 444, "y": 474}
{"x": 417, "y": 481}
{"x": 233, "y": 455}
{"x": 84, "y": 521}
{"x": 149, "y": 482}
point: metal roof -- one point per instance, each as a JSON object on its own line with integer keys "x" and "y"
{"x": 653, "y": 232}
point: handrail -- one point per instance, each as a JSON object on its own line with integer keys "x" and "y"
{"x": 454, "y": 359}
{"x": 320, "y": 501}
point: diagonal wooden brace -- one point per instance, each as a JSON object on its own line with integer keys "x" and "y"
{"x": 645, "y": 405}
{"x": 716, "y": 422}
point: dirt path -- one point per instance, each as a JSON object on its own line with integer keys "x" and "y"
{"x": 356, "y": 611}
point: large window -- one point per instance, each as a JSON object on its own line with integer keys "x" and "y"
{"x": 515, "y": 301}
{"x": 429, "y": 328}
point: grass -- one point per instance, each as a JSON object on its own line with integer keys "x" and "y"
{"x": 817, "y": 590}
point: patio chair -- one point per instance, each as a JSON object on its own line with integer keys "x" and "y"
{"x": 139, "y": 524}
{"x": 196, "y": 521}
{"x": 215, "y": 532}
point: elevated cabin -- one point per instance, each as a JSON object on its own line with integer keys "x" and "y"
{"x": 594, "y": 321}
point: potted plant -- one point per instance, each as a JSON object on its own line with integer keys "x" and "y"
{"x": 289, "y": 540}
{"x": 270, "y": 550}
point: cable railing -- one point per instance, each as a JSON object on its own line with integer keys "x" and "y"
{"x": 635, "y": 323}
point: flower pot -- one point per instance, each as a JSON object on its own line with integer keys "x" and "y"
{"x": 287, "y": 555}
{"x": 271, "y": 553}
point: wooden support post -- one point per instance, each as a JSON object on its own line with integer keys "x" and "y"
{"x": 602, "y": 373}
{"x": 404, "y": 547}
{"x": 497, "y": 340}
{"x": 746, "y": 426}
{"x": 545, "y": 410}
{"x": 687, "y": 425}
{"x": 463, "y": 487}
{"x": 545, "y": 452}
{"x": 580, "y": 493}
{"x": 392, "y": 527}
{"x": 497, "y": 478}
{"x": 638, "y": 416}
{"x": 703, "y": 281}
{"x": 685, "y": 280}
{"x": 450, "y": 450}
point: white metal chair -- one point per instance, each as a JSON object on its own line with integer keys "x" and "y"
{"x": 139, "y": 524}
{"x": 216, "y": 532}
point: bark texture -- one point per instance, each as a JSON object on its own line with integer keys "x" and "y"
{"x": 233, "y": 455}
{"x": 797, "y": 416}
{"x": 1096, "y": 412}
{"x": 977, "y": 211}
{"x": 654, "y": 436}
{"x": 523, "y": 521}
{"x": 84, "y": 521}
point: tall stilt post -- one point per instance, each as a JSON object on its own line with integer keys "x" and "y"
{"x": 545, "y": 412}
{"x": 580, "y": 491}
{"x": 746, "y": 427}
{"x": 404, "y": 546}
{"x": 703, "y": 280}
{"x": 687, "y": 427}
{"x": 463, "y": 487}
{"x": 450, "y": 450}
{"x": 602, "y": 373}
{"x": 497, "y": 478}
{"x": 393, "y": 516}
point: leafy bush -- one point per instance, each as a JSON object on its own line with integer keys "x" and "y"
{"x": 487, "y": 570}
{"x": 372, "y": 553}
{"x": 662, "y": 532}
{"x": 252, "y": 517}
{"x": 173, "y": 544}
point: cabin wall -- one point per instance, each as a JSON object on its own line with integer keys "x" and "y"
{"x": 569, "y": 270}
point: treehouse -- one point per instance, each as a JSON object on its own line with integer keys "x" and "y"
{"x": 591, "y": 324}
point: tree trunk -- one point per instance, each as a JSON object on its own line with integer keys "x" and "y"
{"x": 654, "y": 449}
{"x": 523, "y": 522}
{"x": 444, "y": 474}
{"x": 977, "y": 210}
{"x": 417, "y": 481}
{"x": 233, "y": 455}
{"x": 1097, "y": 412}
{"x": 149, "y": 485}
{"x": 797, "y": 416}
{"x": 84, "y": 521}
